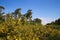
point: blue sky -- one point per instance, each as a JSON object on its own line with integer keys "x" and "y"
{"x": 47, "y": 10}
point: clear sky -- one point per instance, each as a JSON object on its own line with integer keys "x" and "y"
{"x": 47, "y": 10}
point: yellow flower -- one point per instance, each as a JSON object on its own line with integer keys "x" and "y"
{"x": 8, "y": 37}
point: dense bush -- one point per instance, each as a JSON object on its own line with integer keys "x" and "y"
{"x": 10, "y": 31}
{"x": 16, "y": 26}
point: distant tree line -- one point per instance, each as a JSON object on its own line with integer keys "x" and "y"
{"x": 56, "y": 22}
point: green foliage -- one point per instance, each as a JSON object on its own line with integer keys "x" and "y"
{"x": 29, "y": 14}
{"x": 37, "y": 20}
{"x": 21, "y": 29}
{"x": 1, "y": 8}
{"x": 55, "y": 24}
